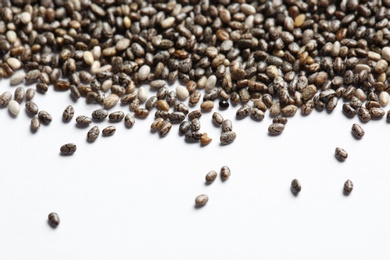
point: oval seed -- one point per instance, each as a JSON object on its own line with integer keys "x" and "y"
{"x": 99, "y": 114}
{"x": 44, "y": 117}
{"x": 295, "y": 186}
{"x": 276, "y": 129}
{"x": 83, "y": 120}
{"x": 93, "y": 134}
{"x": 228, "y": 137}
{"x": 357, "y": 131}
{"x": 68, "y": 149}
{"x": 32, "y": 107}
{"x": 35, "y": 124}
{"x": 341, "y": 154}
{"x": 211, "y": 176}
{"x": 165, "y": 128}
{"x": 17, "y": 77}
{"x": 14, "y": 107}
{"x": 116, "y": 116}
{"x": 157, "y": 124}
{"x": 182, "y": 92}
{"x": 129, "y": 120}
{"x": 109, "y": 131}
{"x": 68, "y": 113}
{"x": 110, "y": 101}
{"x": 201, "y": 200}
{"x": 5, "y": 98}
{"x": 243, "y": 111}
{"x": 217, "y": 118}
{"x": 227, "y": 125}
{"x": 30, "y": 93}
{"x": 54, "y": 219}
{"x": 207, "y": 105}
{"x": 184, "y": 127}
{"x": 348, "y": 186}
{"x": 142, "y": 94}
{"x": 225, "y": 173}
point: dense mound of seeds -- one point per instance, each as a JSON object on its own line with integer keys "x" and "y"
{"x": 267, "y": 55}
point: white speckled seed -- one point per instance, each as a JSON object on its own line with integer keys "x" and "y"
{"x": 210, "y": 83}
{"x": 17, "y": 77}
{"x": 14, "y": 107}
{"x": 384, "y": 98}
{"x": 143, "y": 72}
{"x": 14, "y": 63}
{"x": 142, "y": 94}
{"x": 167, "y": 23}
{"x": 25, "y": 17}
{"x": 88, "y": 57}
{"x": 182, "y": 92}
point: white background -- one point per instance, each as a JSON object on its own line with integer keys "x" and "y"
{"x": 131, "y": 195}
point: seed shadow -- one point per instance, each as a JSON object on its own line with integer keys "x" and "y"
{"x": 65, "y": 155}
{"x": 52, "y": 225}
{"x": 339, "y": 159}
{"x": 82, "y": 126}
{"x": 274, "y": 135}
{"x": 239, "y": 118}
{"x": 191, "y": 142}
{"x": 198, "y": 206}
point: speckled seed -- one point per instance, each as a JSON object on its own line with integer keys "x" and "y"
{"x": 68, "y": 149}
{"x": 19, "y": 94}
{"x": 142, "y": 94}
{"x": 116, "y": 116}
{"x": 99, "y": 114}
{"x": 30, "y": 93}
{"x": 211, "y": 176}
{"x": 225, "y": 173}
{"x": 141, "y": 112}
{"x": 377, "y": 112}
{"x": 217, "y": 118}
{"x": 357, "y": 131}
{"x": 341, "y": 154}
{"x": 44, "y": 117}
{"x": 165, "y": 128}
{"x": 157, "y": 124}
{"x": 109, "y": 130}
{"x": 256, "y": 114}
{"x": 54, "y": 219}
{"x": 110, "y": 101}
{"x": 207, "y": 105}
{"x": 276, "y": 129}
{"x": 280, "y": 119}
{"x": 227, "y": 125}
{"x": 205, "y": 139}
{"x": 93, "y": 134}
{"x": 14, "y": 107}
{"x": 289, "y": 110}
{"x": 68, "y": 113}
{"x": 275, "y": 109}
{"x": 228, "y": 137}
{"x": 5, "y": 98}
{"x": 32, "y": 107}
{"x": 167, "y": 23}
{"x": 210, "y": 83}
{"x": 201, "y": 200}
{"x": 143, "y": 72}
{"x": 17, "y": 77}
{"x": 184, "y": 127}
{"x": 88, "y": 58}
{"x": 35, "y": 124}
{"x": 243, "y": 111}
{"x": 295, "y": 186}
{"x": 129, "y": 120}
{"x": 348, "y": 186}
{"x": 83, "y": 120}
{"x": 384, "y": 98}
{"x": 182, "y": 92}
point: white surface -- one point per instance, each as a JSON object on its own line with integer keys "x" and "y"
{"x": 131, "y": 195}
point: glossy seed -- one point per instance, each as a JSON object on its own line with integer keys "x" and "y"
{"x": 68, "y": 149}
{"x": 165, "y": 128}
{"x": 14, "y": 107}
{"x": 348, "y": 186}
{"x": 93, "y": 134}
{"x": 129, "y": 120}
{"x": 275, "y": 129}
{"x": 357, "y": 131}
{"x": 201, "y": 200}
{"x": 157, "y": 124}
{"x": 211, "y": 176}
{"x": 44, "y": 117}
{"x": 225, "y": 173}
{"x": 109, "y": 131}
{"x": 83, "y": 120}
{"x": 31, "y": 107}
{"x": 341, "y": 154}
{"x": 227, "y": 125}
{"x": 205, "y": 139}
{"x": 217, "y": 118}
{"x": 99, "y": 114}
{"x": 54, "y": 219}
{"x": 295, "y": 186}
{"x": 68, "y": 113}
{"x": 35, "y": 124}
